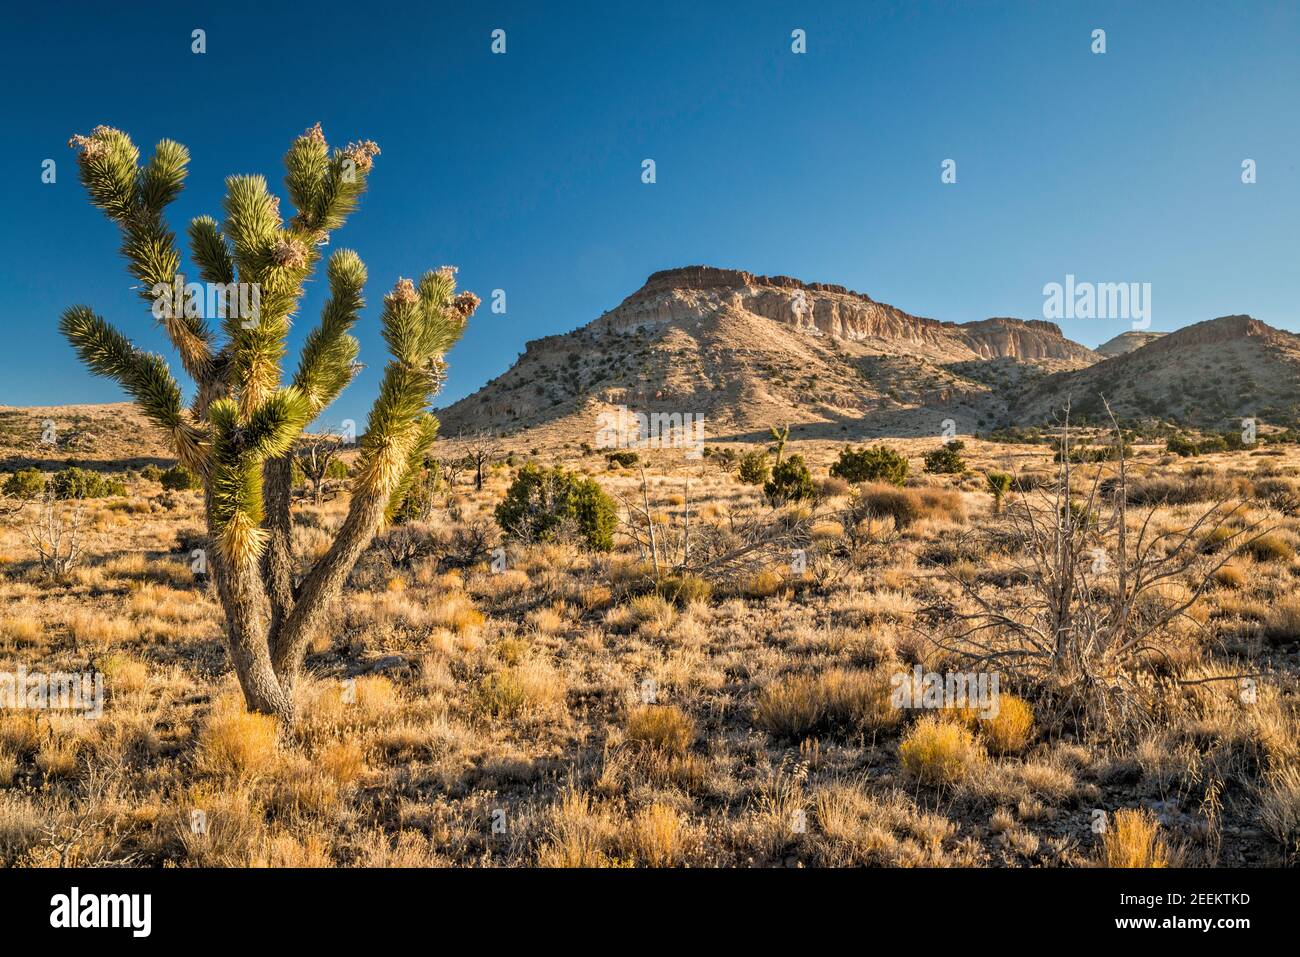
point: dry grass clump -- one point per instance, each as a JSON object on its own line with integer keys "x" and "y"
{"x": 762, "y": 584}
{"x": 1282, "y": 622}
{"x": 653, "y": 613}
{"x": 846, "y": 698}
{"x": 509, "y": 691}
{"x": 1271, "y": 548}
{"x": 1010, "y": 730}
{"x": 656, "y": 835}
{"x": 939, "y": 751}
{"x": 1279, "y": 810}
{"x": 886, "y": 830}
{"x": 790, "y": 708}
{"x": 235, "y": 742}
{"x": 124, "y": 675}
{"x": 1133, "y": 839}
{"x": 681, "y": 590}
{"x": 663, "y": 727}
{"x": 1230, "y": 576}
{"x": 580, "y": 833}
{"x": 95, "y": 633}
{"x": 22, "y": 631}
{"x": 1186, "y": 490}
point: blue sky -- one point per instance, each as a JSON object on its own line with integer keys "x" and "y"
{"x": 525, "y": 169}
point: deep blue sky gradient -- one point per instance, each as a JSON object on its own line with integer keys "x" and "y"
{"x": 525, "y": 169}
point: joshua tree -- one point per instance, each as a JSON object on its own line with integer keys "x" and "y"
{"x": 239, "y": 432}
{"x": 779, "y": 438}
{"x": 999, "y": 483}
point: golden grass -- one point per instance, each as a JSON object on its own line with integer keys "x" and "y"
{"x": 1011, "y": 729}
{"x": 511, "y": 690}
{"x": 657, "y": 835}
{"x": 236, "y": 742}
{"x": 663, "y": 727}
{"x": 938, "y": 751}
{"x": 1132, "y": 839}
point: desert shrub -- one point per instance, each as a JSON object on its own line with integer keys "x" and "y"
{"x": 179, "y": 479}
{"x": 542, "y": 504}
{"x": 77, "y": 482}
{"x": 1133, "y": 840}
{"x": 725, "y": 459}
{"x": 1281, "y": 494}
{"x": 151, "y": 473}
{"x": 684, "y": 589}
{"x": 1030, "y": 481}
{"x": 877, "y": 464}
{"x": 25, "y": 484}
{"x": 939, "y": 751}
{"x": 624, "y": 458}
{"x": 946, "y": 459}
{"x": 1185, "y": 447}
{"x": 790, "y": 482}
{"x": 754, "y": 469}
{"x": 1186, "y": 489}
{"x": 908, "y": 505}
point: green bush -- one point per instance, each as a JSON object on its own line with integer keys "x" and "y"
{"x": 754, "y": 469}
{"x": 790, "y": 482}
{"x": 878, "y": 464}
{"x": 541, "y": 503}
{"x": 178, "y": 479}
{"x": 337, "y": 469}
{"x": 624, "y": 458}
{"x": 77, "y": 482}
{"x": 152, "y": 473}
{"x": 25, "y": 484}
{"x": 946, "y": 459}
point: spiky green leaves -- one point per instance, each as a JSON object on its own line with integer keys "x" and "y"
{"x": 107, "y": 162}
{"x": 426, "y": 434}
{"x": 144, "y": 376}
{"x": 240, "y": 447}
{"x": 252, "y": 222}
{"x": 307, "y": 166}
{"x": 419, "y": 326}
{"x": 328, "y": 360}
{"x": 162, "y": 179}
{"x": 135, "y": 198}
{"x": 209, "y": 249}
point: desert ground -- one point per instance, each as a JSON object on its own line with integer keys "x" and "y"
{"x": 481, "y": 701}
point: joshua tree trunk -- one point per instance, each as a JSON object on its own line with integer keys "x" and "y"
{"x": 240, "y": 431}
